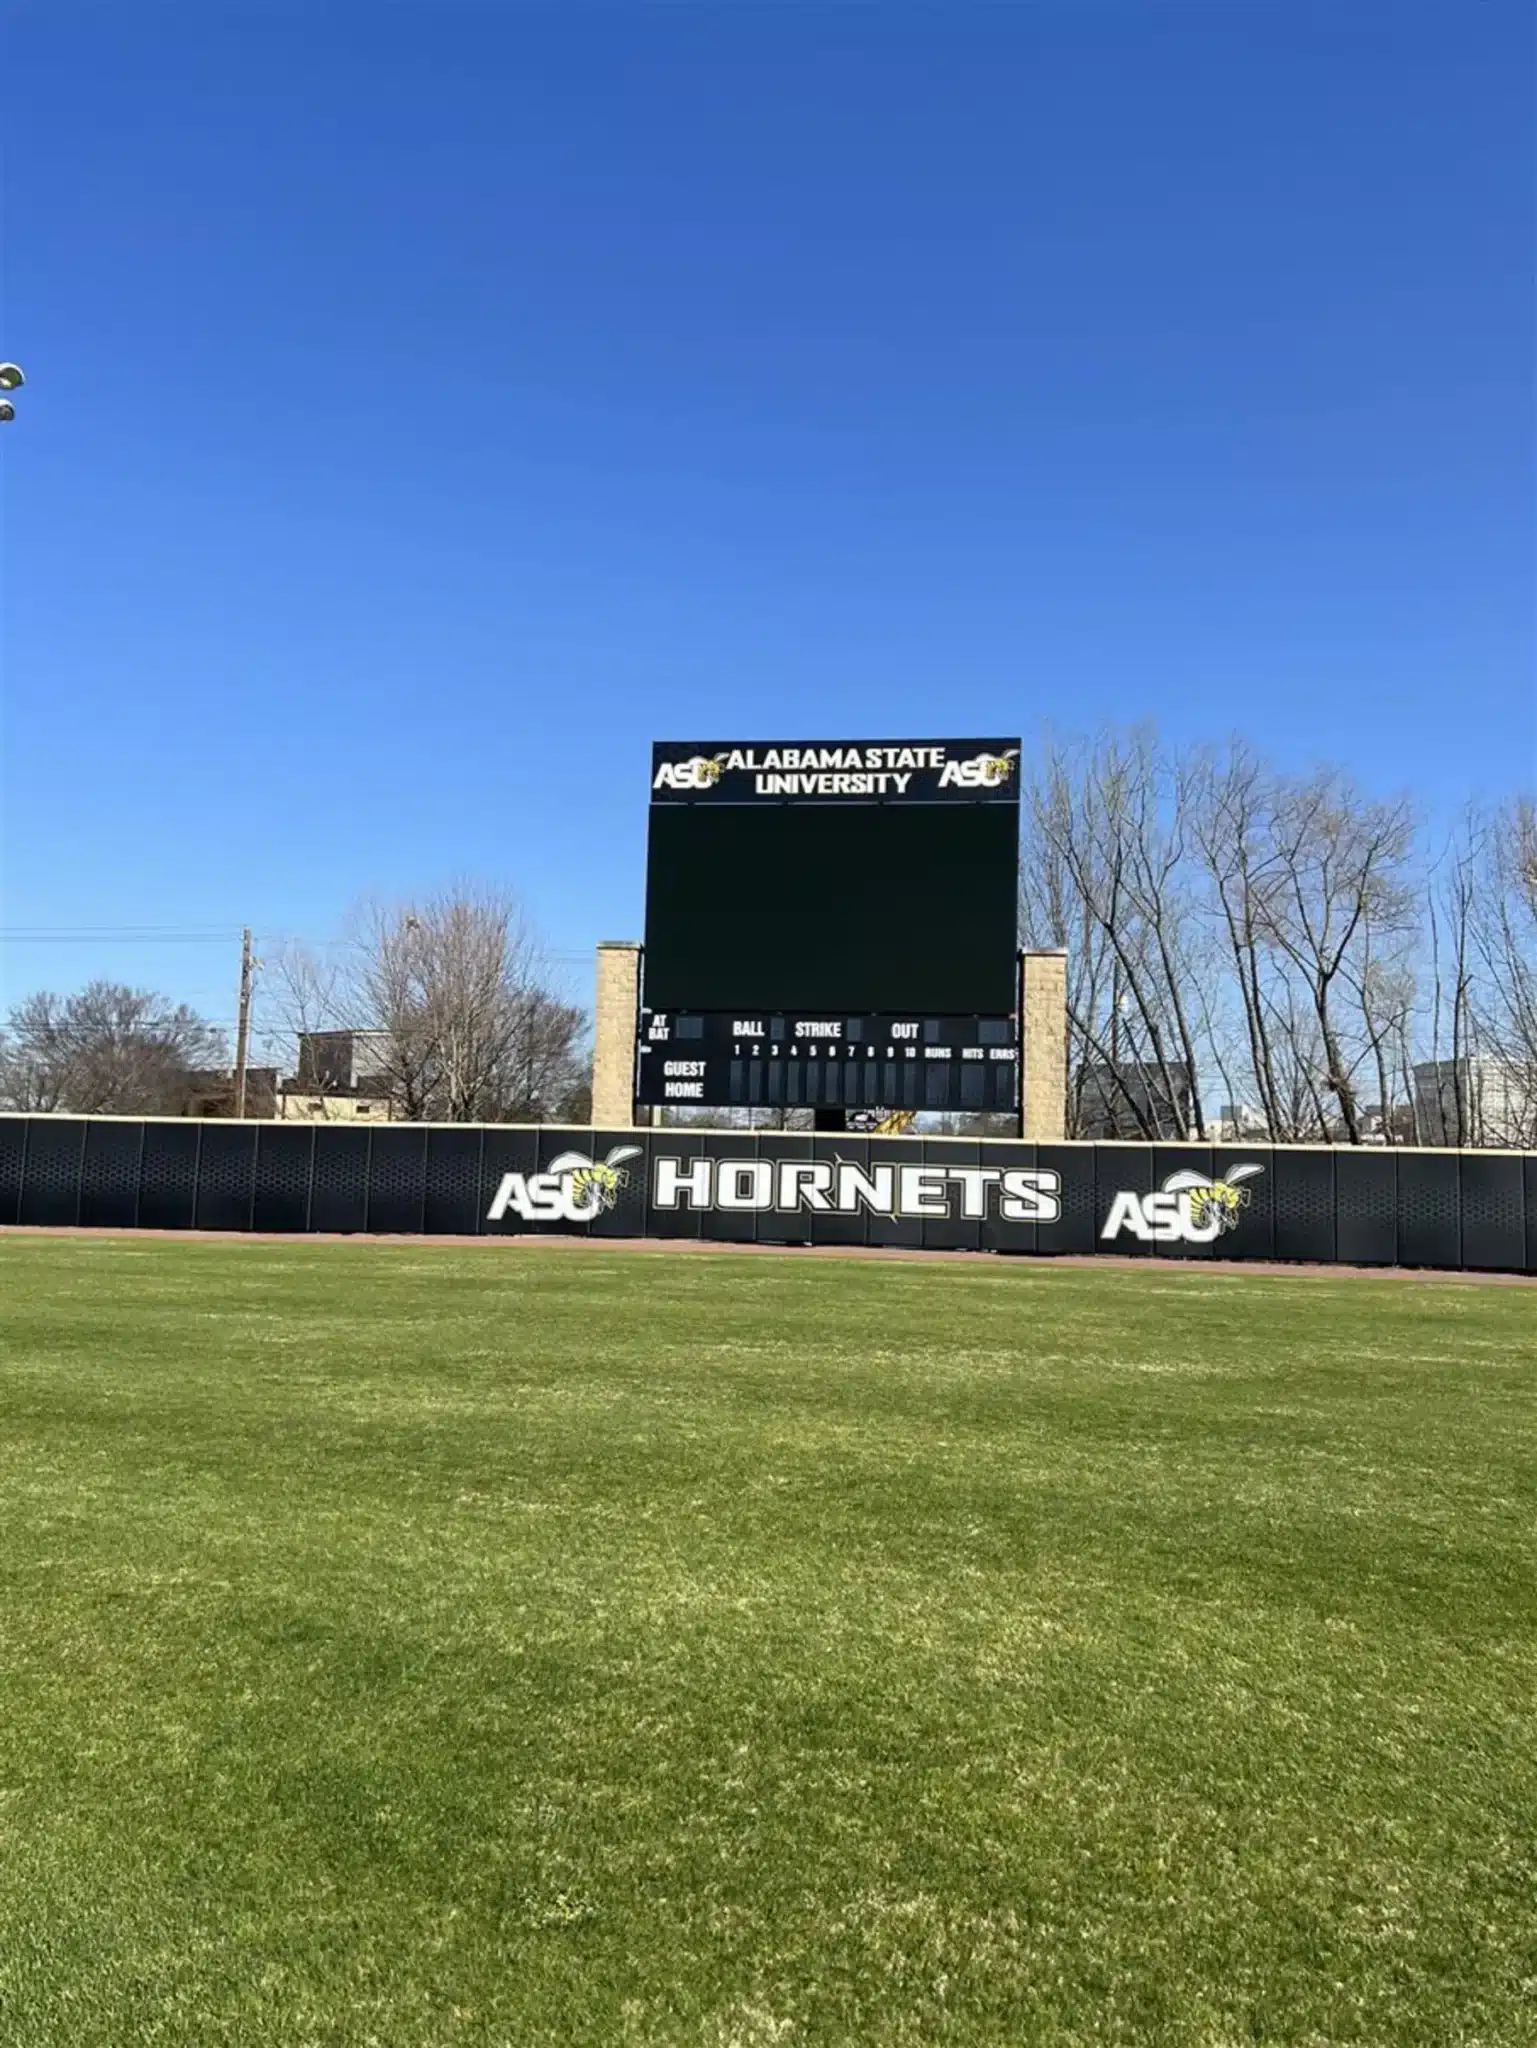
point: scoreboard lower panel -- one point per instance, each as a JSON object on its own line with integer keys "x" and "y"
{"x": 716, "y": 1060}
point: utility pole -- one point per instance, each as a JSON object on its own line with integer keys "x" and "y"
{"x": 243, "y": 1020}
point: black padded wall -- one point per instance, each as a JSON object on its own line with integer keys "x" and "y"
{"x": 397, "y": 1180}
{"x": 109, "y": 1176}
{"x": 226, "y": 1176}
{"x": 1429, "y": 1209}
{"x": 339, "y": 1183}
{"x": 13, "y": 1152}
{"x": 1492, "y": 1193}
{"x": 285, "y": 1169}
{"x": 1439, "y": 1209}
{"x": 1304, "y": 1205}
{"x": 451, "y": 1204}
{"x": 1365, "y": 1208}
{"x": 51, "y": 1168}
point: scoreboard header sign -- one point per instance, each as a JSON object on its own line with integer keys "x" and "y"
{"x": 835, "y": 771}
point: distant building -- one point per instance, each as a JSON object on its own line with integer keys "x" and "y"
{"x": 341, "y": 1062}
{"x": 315, "y": 1106}
{"x": 342, "y": 1078}
{"x": 1375, "y": 1125}
{"x": 211, "y": 1092}
{"x": 1478, "y": 1101}
{"x": 1133, "y": 1098}
{"x": 1237, "y": 1121}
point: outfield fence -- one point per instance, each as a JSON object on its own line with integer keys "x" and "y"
{"x": 1473, "y": 1211}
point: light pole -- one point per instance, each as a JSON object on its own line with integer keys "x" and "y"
{"x": 11, "y": 379}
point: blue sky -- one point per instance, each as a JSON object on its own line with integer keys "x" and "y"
{"x": 430, "y": 406}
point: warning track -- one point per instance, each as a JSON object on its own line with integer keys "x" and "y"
{"x": 662, "y": 1247}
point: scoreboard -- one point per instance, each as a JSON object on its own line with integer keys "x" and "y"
{"x": 832, "y": 924}
{"x": 846, "y": 1062}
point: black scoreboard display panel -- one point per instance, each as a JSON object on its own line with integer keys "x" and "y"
{"x": 832, "y": 924}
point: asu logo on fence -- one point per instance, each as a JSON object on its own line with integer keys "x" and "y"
{"x": 1190, "y": 1208}
{"x": 572, "y": 1189}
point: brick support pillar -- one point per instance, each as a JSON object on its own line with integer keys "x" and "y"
{"x": 617, "y": 1015}
{"x": 1043, "y": 1046}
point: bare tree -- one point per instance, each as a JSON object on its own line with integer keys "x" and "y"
{"x": 1231, "y": 802}
{"x": 456, "y": 993}
{"x": 106, "y": 1050}
{"x": 1225, "y": 924}
{"x": 1107, "y": 876}
{"x": 1384, "y": 989}
{"x": 1343, "y": 881}
{"x": 1289, "y": 938}
{"x": 1055, "y": 912}
{"x": 1503, "y": 1003}
{"x": 1452, "y": 897}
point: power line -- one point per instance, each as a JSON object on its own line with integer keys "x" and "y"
{"x": 180, "y": 935}
{"x": 146, "y": 935}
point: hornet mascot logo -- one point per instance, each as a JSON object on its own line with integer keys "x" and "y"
{"x": 572, "y": 1189}
{"x": 1190, "y": 1208}
{"x": 982, "y": 771}
{"x": 699, "y": 771}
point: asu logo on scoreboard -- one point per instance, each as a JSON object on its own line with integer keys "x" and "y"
{"x": 982, "y": 771}
{"x": 695, "y": 772}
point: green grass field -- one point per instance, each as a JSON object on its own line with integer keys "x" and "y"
{"x": 412, "y": 1646}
